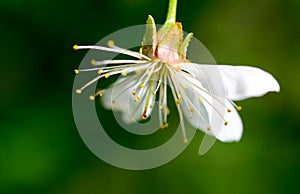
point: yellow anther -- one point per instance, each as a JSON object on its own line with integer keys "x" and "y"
{"x": 168, "y": 111}
{"x": 142, "y": 85}
{"x": 191, "y": 116}
{"x": 111, "y": 43}
{"x": 92, "y": 97}
{"x": 78, "y": 91}
{"x": 154, "y": 93}
{"x": 76, "y": 71}
{"x": 124, "y": 73}
{"x": 184, "y": 86}
{"x": 185, "y": 140}
{"x": 93, "y": 62}
{"x": 137, "y": 71}
{"x": 137, "y": 99}
{"x": 177, "y": 101}
{"x": 106, "y": 75}
{"x": 133, "y": 93}
{"x": 178, "y": 67}
{"x": 144, "y": 116}
{"x": 179, "y": 95}
{"x": 200, "y": 99}
{"x": 100, "y": 71}
{"x": 100, "y": 93}
{"x": 208, "y": 128}
{"x": 225, "y": 123}
{"x": 228, "y": 110}
{"x": 75, "y": 47}
{"x": 239, "y": 108}
{"x": 165, "y": 125}
{"x": 191, "y": 109}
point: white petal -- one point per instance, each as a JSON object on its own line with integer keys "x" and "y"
{"x": 243, "y": 82}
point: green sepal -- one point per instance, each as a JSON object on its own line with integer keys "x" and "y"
{"x": 183, "y": 47}
{"x": 149, "y": 42}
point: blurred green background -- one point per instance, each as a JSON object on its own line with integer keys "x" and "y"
{"x": 41, "y": 150}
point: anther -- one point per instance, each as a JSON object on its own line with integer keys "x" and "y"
{"x": 177, "y": 101}
{"x": 106, "y": 75}
{"x": 185, "y": 140}
{"x": 144, "y": 116}
{"x": 93, "y": 62}
{"x": 100, "y": 71}
{"x": 168, "y": 111}
{"x": 137, "y": 99}
{"x": 239, "y": 108}
{"x": 124, "y": 73}
{"x": 228, "y": 110}
{"x": 133, "y": 93}
{"x": 75, "y": 47}
{"x": 111, "y": 43}
{"x": 208, "y": 128}
{"x": 78, "y": 91}
{"x": 191, "y": 116}
{"x": 200, "y": 99}
{"x": 92, "y": 97}
{"x": 154, "y": 93}
{"x": 179, "y": 95}
{"x": 225, "y": 123}
{"x": 191, "y": 109}
{"x": 142, "y": 85}
{"x": 184, "y": 86}
{"x": 76, "y": 71}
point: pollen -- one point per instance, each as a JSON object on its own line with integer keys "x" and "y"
{"x": 239, "y": 108}
{"x": 75, "y": 47}
{"x": 142, "y": 85}
{"x": 133, "y": 93}
{"x": 137, "y": 99}
{"x": 93, "y": 62}
{"x": 111, "y": 43}
{"x": 78, "y": 91}
{"x": 76, "y": 71}
{"x": 185, "y": 140}
{"x": 177, "y": 101}
{"x": 228, "y": 110}
{"x": 100, "y": 93}
{"x": 124, "y": 73}
{"x": 106, "y": 75}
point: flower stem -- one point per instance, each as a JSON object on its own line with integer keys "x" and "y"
{"x": 171, "y": 16}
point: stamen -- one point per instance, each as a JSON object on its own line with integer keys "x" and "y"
{"x": 133, "y": 93}
{"x": 76, "y": 71}
{"x": 78, "y": 91}
{"x": 124, "y": 73}
{"x": 185, "y": 140}
{"x": 137, "y": 99}
{"x": 192, "y": 109}
{"x": 93, "y": 62}
{"x": 142, "y": 85}
{"x": 106, "y": 75}
{"x": 92, "y": 97}
{"x": 168, "y": 111}
{"x": 239, "y": 108}
{"x": 75, "y": 47}
{"x": 110, "y": 43}
{"x": 177, "y": 101}
{"x": 208, "y": 128}
{"x": 100, "y": 71}
{"x": 225, "y": 123}
{"x": 200, "y": 99}
{"x": 228, "y": 110}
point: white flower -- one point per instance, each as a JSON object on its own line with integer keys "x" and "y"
{"x": 162, "y": 63}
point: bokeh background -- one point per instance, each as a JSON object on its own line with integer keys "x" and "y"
{"x": 41, "y": 150}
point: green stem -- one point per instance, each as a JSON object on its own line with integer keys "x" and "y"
{"x": 171, "y": 16}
